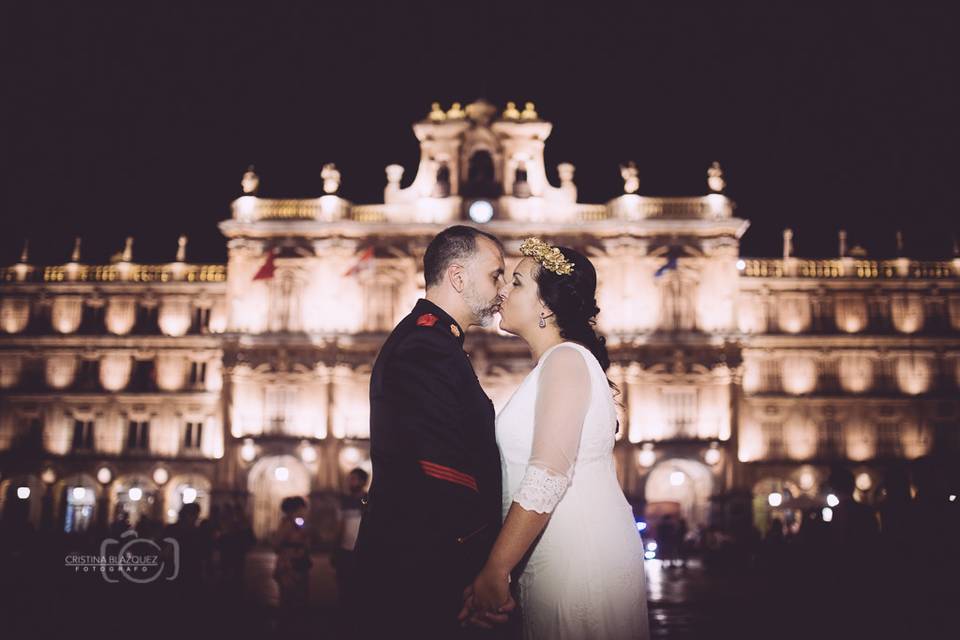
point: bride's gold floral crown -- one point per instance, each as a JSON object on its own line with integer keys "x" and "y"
{"x": 549, "y": 257}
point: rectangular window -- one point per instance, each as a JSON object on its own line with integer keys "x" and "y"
{"x": 773, "y": 435}
{"x": 82, "y": 435}
{"x": 198, "y": 372}
{"x": 192, "y": 435}
{"x": 138, "y": 435}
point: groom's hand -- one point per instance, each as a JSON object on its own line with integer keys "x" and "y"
{"x": 469, "y": 615}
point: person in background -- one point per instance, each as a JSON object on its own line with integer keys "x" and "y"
{"x": 344, "y": 559}
{"x": 292, "y": 545}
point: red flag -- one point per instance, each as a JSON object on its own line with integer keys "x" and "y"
{"x": 265, "y": 272}
{"x": 365, "y": 260}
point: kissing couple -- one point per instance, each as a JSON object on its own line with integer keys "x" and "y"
{"x": 481, "y": 524}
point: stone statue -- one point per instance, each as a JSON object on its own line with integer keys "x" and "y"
{"x": 75, "y": 256}
{"x": 787, "y": 243}
{"x": 631, "y": 177}
{"x": 250, "y": 182}
{"x": 511, "y": 112}
{"x": 842, "y": 239}
{"x": 529, "y": 112}
{"x": 331, "y": 178}
{"x": 436, "y": 113}
{"x": 127, "y": 254}
{"x": 456, "y": 112}
{"x": 181, "y": 248}
{"x": 715, "y": 178}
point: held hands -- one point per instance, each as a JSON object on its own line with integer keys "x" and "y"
{"x": 488, "y": 599}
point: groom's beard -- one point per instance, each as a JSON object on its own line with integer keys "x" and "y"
{"x": 483, "y": 310}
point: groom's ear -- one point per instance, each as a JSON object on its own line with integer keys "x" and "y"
{"x": 456, "y": 275}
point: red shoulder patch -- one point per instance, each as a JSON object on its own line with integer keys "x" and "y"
{"x": 427, "y": 320}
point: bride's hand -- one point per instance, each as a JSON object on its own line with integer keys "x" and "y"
{"x": 491, "y": 591}
{"x": 470, "y": 615}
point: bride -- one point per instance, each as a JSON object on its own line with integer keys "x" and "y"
{"x": 568, "y": 537}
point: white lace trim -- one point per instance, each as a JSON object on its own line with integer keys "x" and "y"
{"x": 540, "y": 490}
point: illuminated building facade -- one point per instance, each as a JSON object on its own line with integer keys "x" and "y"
{"x": 140, "y": 387}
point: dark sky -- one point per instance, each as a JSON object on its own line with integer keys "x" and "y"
{"x": 139, "y": 119}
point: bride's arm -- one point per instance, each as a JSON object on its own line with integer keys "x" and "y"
{"x": 563, "y": 396}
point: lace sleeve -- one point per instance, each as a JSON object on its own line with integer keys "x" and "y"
{"x": 563, "y": 396}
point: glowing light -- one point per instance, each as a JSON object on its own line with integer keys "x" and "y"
{"x": 953, "y": 497}
{"x": 79, "y": 493}
{"x": 189, "y": 495}
{"x": 282, "y": 474}
{"x": 864, "y": 481}
{"x": 832, "y": 500}
{"x": 741, "y": 265}
{"x": 248, "y": 451}
{"x": 172, "y": 514}
{"x": 350, "y": 457}
{"x": 104, "y": 475}
{"x": 308, "y": 454}
{"x": 298, "y": 521}
{"x": 161, "y": 475}
{"x": 49, "y": 476}
{"x": 712, "y": 456}
{"x": 806, "y": 480}
{"x": 135, "y": 494}
{"x": 677, "y": 478}
{"x": 775, "y": 499}
{"x": 642, "y": 526}
{"x": 649, "y": 555}
{"x": 481, "y": 211}
{"x": 23, "y": 492}
{"x": 651, "y": 546}
{"x": 827, "y": 514}
{"x": 647, "y": 457}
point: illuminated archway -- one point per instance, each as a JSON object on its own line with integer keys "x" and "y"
{"x": 270, "y": 481}
{"x": 686, "y": 482}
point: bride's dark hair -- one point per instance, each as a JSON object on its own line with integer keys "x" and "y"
{"x": 572, "y": 298}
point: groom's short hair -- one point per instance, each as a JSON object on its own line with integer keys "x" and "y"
{"x": 456, "y": 243}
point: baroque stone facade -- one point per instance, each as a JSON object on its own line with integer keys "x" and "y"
{"x": 140, "y": 387}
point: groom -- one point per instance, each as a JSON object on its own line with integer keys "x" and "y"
{"x": 434, "y": 506}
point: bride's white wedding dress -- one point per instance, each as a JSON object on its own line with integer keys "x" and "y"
{"x": 584, "y": 577}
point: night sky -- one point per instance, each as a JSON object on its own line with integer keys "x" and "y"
{"x": 139, "y": 119}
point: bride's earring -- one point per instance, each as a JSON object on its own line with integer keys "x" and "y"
{"x": 543, "y": 322}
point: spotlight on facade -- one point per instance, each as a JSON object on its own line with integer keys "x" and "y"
{"x": 161, "y": 475}
{"x": 23, "y": 492}
{"x": 712, "y": 455}
{"x": 79, "y": 493}
{"x": 189, "y": 495}
{"x": 827, "y": 514}
{"x": 677, "y": 478}
{"x": 832, "y": 500}
{"x": 308, "y": 454}
{"x": 248, "y": 451}
{"x": 480, "y": 211}
{"x": 104, "y": 475}
{"x": 775, "y": 499}
{"x": 135, "y": 494}
{"x": 282, "y": 474}
{"x": 864, "y": 482}
{"x": 647, "y": 457}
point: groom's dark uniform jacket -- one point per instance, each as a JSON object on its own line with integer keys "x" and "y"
{"x": 434, "y": 505}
